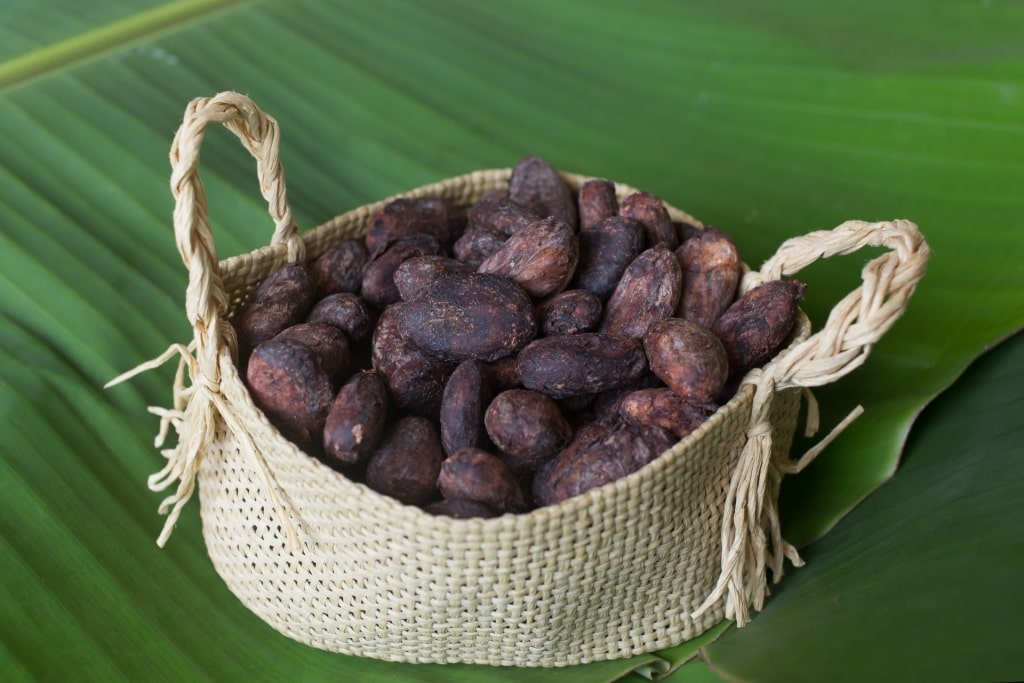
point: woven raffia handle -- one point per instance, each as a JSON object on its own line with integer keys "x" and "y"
{"x": 205, "y": 300}
{"x": 751, "y": 533}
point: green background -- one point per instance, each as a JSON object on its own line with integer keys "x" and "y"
{"x": 768, "y": 120}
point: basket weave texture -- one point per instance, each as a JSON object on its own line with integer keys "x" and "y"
{"x": 645, "y": 563}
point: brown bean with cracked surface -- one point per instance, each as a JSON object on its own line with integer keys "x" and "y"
{"x": 474, "y": 474}
{"x": 465, "y": 398}
{"x": 328, "y": 342}
{"x": 711, "y": 273}
{"x": 346, "y": 311}
{"x": 379, "y": 288}
{"x": 477, "y": 245}
{"x": 468, "y": 315}
{"x": 596, "y": 201}
{"x": 569, "y": 312}
{"x": 500, "y": 215}
{"x": 606, "y": 250}
{"x": 416, "y": 273}
{"x": 415, "y": 380}
{"x": 650, "y": 212}
{"x": 586, "y": 363}
{"x": 541, "y": 258}
{"x": 688, "y": 358}
{"x": 527, "y": 426}
{"x": 406, "y": 217}
{"x": 649, "y": 291}
{"x": 664, "y": 408}
{"x": 537, "y": 187}
{"x": 340, "y": 267}
{"x": 281, "y": 300}
{"x": 406, "y": 464}
{"x": 754, "y": 328}
{"x": 356, "y": 420}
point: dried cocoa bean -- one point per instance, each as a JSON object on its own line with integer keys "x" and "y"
{"x": 664, "y": 408}
{"x": 606, "y": 404}
{"x": 346, "y": 311}
{"x": 281, "y": 300}
{"x": 415, "y": 380}
{"x": 499, "y": 215}
{"x": 474, "y": 474}
{"x": 599, "y": 454}
{"x": 650, "y": 212}
{"x": 356, "y": 420}
{"x": 466, "y": 395}
{"x": 340, "y": 267}
{"x": 476, "y": 246}
{"x": 537, "y": 187}
{"x": 541, "y": 258}
{"x": 526, "y": 426}
{"x": 408, "y": 462}
{"x": 569, "y": 312}
{"x": 586, "y": 363}
{"x": 649, "y": 291}
{"x": 468, "y": 315}
{"x": 287, "y": 381}
{"x": 711, "y": 272}
{"x": 596, "y": 202}
{"x": 754, "y": 328}
{"x": 328, "y": 342}
{"x": 416, "y": 273}
{"x": 606, "y": 250}
{"x": 503, "y": 374}
{"x": 688, "y": 358}
{"x": 460, "y": 509}
{"x": 406, "y": 217}
{"x": 379, "y": 287}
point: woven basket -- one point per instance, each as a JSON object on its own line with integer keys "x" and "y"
{"x": 641, "y": 564}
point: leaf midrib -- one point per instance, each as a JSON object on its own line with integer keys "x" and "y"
{"x": 112, "y": 37}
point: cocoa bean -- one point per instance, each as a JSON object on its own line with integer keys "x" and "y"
{"x": 465, "y": 397}
{"x": 569, "y": 312}
{"x": 407, "y": 463}
{"x": 596, "y": 201}
{"x": 476, "y": 246}
{"x": 527, "y": 426}
{"x": 649, "y": 291}
{"x": 541, "y": 258}
{"x": 606, "y": 250}
{"x": 415, "y": 380}
{"x": 664, "y": 408}
{"x": 340, "y": 267}
{"x": 650, "y": 212}
{"x": 711, "y": 272}
{"x": 356, "y": 421}
{"x": 586, "y": 363}
{"x": 688, "y": 358}
{"x": 476, "y": 475}
{"x": 329, "y": 343}
{"x": 468, "y": 315}
{"x": 755, "y": 327}
{"x": 499, "y": 215}
{"x": 346, "y": 311}
{"x": 379, "y": 287}
{"x": 281, "y": 300}
{"x": 416, "y": 273}
{"x": 537, "y": 187}
{"x": 406, "y": 217}
{"x": 460, "y": 509}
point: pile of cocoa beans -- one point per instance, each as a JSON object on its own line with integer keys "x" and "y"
{"x": 483, "y": 360}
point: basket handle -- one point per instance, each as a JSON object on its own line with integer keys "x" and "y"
{"x": 751, "y": 531}
{"x": 205, "y": 298}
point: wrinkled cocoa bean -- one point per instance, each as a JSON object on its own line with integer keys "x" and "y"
{"x": 599, "y": 454}
{"x": 460, "y": 509}
{"x": 281, "y": 300}
{"x": 650, "y": 212}
{"x": 415, "y": 380}
{"x": 466, "y": 395}
{"x": 499, "y": 215}
{"x": 346, "y": 311}
{"x": 754, "y": 328}
{"x": 402, "y": 218}
{"x": 596, "y": 201}
{"x": 649, "y": 291}
{"x": 340, "y": 267}
{"x": 570, "y": 312}
{"x": 527, "y": 426}
{"x": 541, "y": 258}
{"x": 474, "y": 474}
{"x": 477, "y": 245}
{"x": 379, "y": 287}
{"x": 586, "y": 363}
{"x": 288, "y": 383}
{"x": 606, "y": 250}
{"x": 537, "y": 187}
{"x": 688, "y": 358}
{"x": 356, "y": 420}
{"x": 328, "y": 342}
{"x": 606, "y": 404}
{"x": 666, "y": 409}
{"x": 503, "y": 374}
{"x": 418, "y": 272}
{"x": 468, "y": 315}
{"x": 407, "y": 463}
{"x": 711, "y": 272}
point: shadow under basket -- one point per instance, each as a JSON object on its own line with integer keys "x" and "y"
{"x": 641, "y": 564}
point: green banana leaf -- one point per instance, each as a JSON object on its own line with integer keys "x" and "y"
{"x": 768, "y": 120}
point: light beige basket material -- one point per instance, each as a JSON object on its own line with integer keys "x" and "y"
{"x": 641, "y": 564}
